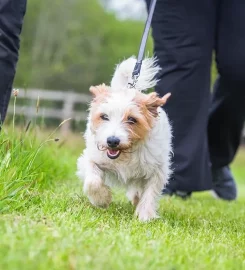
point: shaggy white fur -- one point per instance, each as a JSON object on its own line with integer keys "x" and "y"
{"x": 146, "y": 80}
{"x": 128, "y": 141}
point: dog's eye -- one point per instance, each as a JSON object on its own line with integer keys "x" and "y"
{"x": 131, "y": 120}
{"x": 104, "y": 117}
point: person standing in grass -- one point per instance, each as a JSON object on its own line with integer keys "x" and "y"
{"x": 205, "y": 138}
{"x": 12, "y": 13}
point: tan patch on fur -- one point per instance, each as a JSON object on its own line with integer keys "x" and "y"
{"x": 135, "y": 200}
{"x": 153, "y": 101}
{"x": 140, "y": 129}
{"x": 147, "y": 105}
{"x": 96, "y": 120}
{"x": 145, "y": 118}
{"x": 100, "y": 93}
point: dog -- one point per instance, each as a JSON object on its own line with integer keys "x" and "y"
{"x": 128, "y": 141}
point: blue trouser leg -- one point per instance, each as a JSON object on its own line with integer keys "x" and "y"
{"x": 11, "y": 18}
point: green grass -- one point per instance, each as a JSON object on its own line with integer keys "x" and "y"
{"x": 29, "y": 163}
{"x": 48, "y": 224}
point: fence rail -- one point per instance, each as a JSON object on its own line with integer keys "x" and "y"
{"x": 67, "y": 110}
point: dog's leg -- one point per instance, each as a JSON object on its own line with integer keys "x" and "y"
{"x": 133, "y": 194}
{"x": 148, "y": 203}
{"x": 98, "y": 193}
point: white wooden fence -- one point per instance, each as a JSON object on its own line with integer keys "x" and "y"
{"x": 67, "y": 98}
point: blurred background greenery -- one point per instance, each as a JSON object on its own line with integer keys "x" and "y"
{"x": 69, "y": 45}
{"x": 72, "y": 44}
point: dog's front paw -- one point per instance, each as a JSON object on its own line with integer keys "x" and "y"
{"x": 145, "y": 213}
{"x": 99, "y": 195}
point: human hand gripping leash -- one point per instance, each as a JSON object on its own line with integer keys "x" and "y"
{"x": 136, "y": 72}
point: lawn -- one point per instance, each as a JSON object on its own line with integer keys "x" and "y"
{"x": 48, "y": 224}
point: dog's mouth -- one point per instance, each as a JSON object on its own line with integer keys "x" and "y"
{"x": 113, "y": 153}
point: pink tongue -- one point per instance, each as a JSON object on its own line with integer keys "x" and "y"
{"x": 113, "y": 152}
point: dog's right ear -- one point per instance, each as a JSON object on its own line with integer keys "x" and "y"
{"x": 99, "y": 90}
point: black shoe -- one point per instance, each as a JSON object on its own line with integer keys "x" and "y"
{"x": 167, "y": 192}
{"x": 224, "y": 186}
{"x": 178, "y": 193}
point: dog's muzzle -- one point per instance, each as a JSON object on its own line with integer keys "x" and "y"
{"x": 113, "y": 152}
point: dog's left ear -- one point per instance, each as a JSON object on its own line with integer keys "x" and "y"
{"x": 153, "y": 101}
{"x": 98, "y": 90}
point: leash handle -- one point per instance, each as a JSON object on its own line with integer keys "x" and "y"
{"x": 137, "y": 67}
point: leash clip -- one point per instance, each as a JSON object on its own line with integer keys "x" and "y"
{"x": 135, "y": 75}
{"x": 133, "y": 81}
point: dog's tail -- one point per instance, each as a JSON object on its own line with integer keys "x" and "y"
{"x": 146, "y": 80}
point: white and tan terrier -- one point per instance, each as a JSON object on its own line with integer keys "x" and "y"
{"x": 128, "y": 141}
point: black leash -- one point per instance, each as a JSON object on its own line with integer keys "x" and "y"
{"x": 137, "y": 67}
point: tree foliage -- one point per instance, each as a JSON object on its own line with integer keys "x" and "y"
{"x": 72, "y": 44}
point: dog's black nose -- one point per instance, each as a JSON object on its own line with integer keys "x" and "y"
{"x": 113, "y": 141}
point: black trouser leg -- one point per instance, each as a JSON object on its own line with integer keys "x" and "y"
{"x": 183, "y": 33}
{"x": 227, "y": 114}
{"x": 11, "y": 18}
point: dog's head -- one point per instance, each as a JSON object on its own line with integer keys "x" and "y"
{"x": 121, "y": 119}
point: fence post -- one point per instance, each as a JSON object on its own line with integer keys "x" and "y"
{"x": 67, "y": 112}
